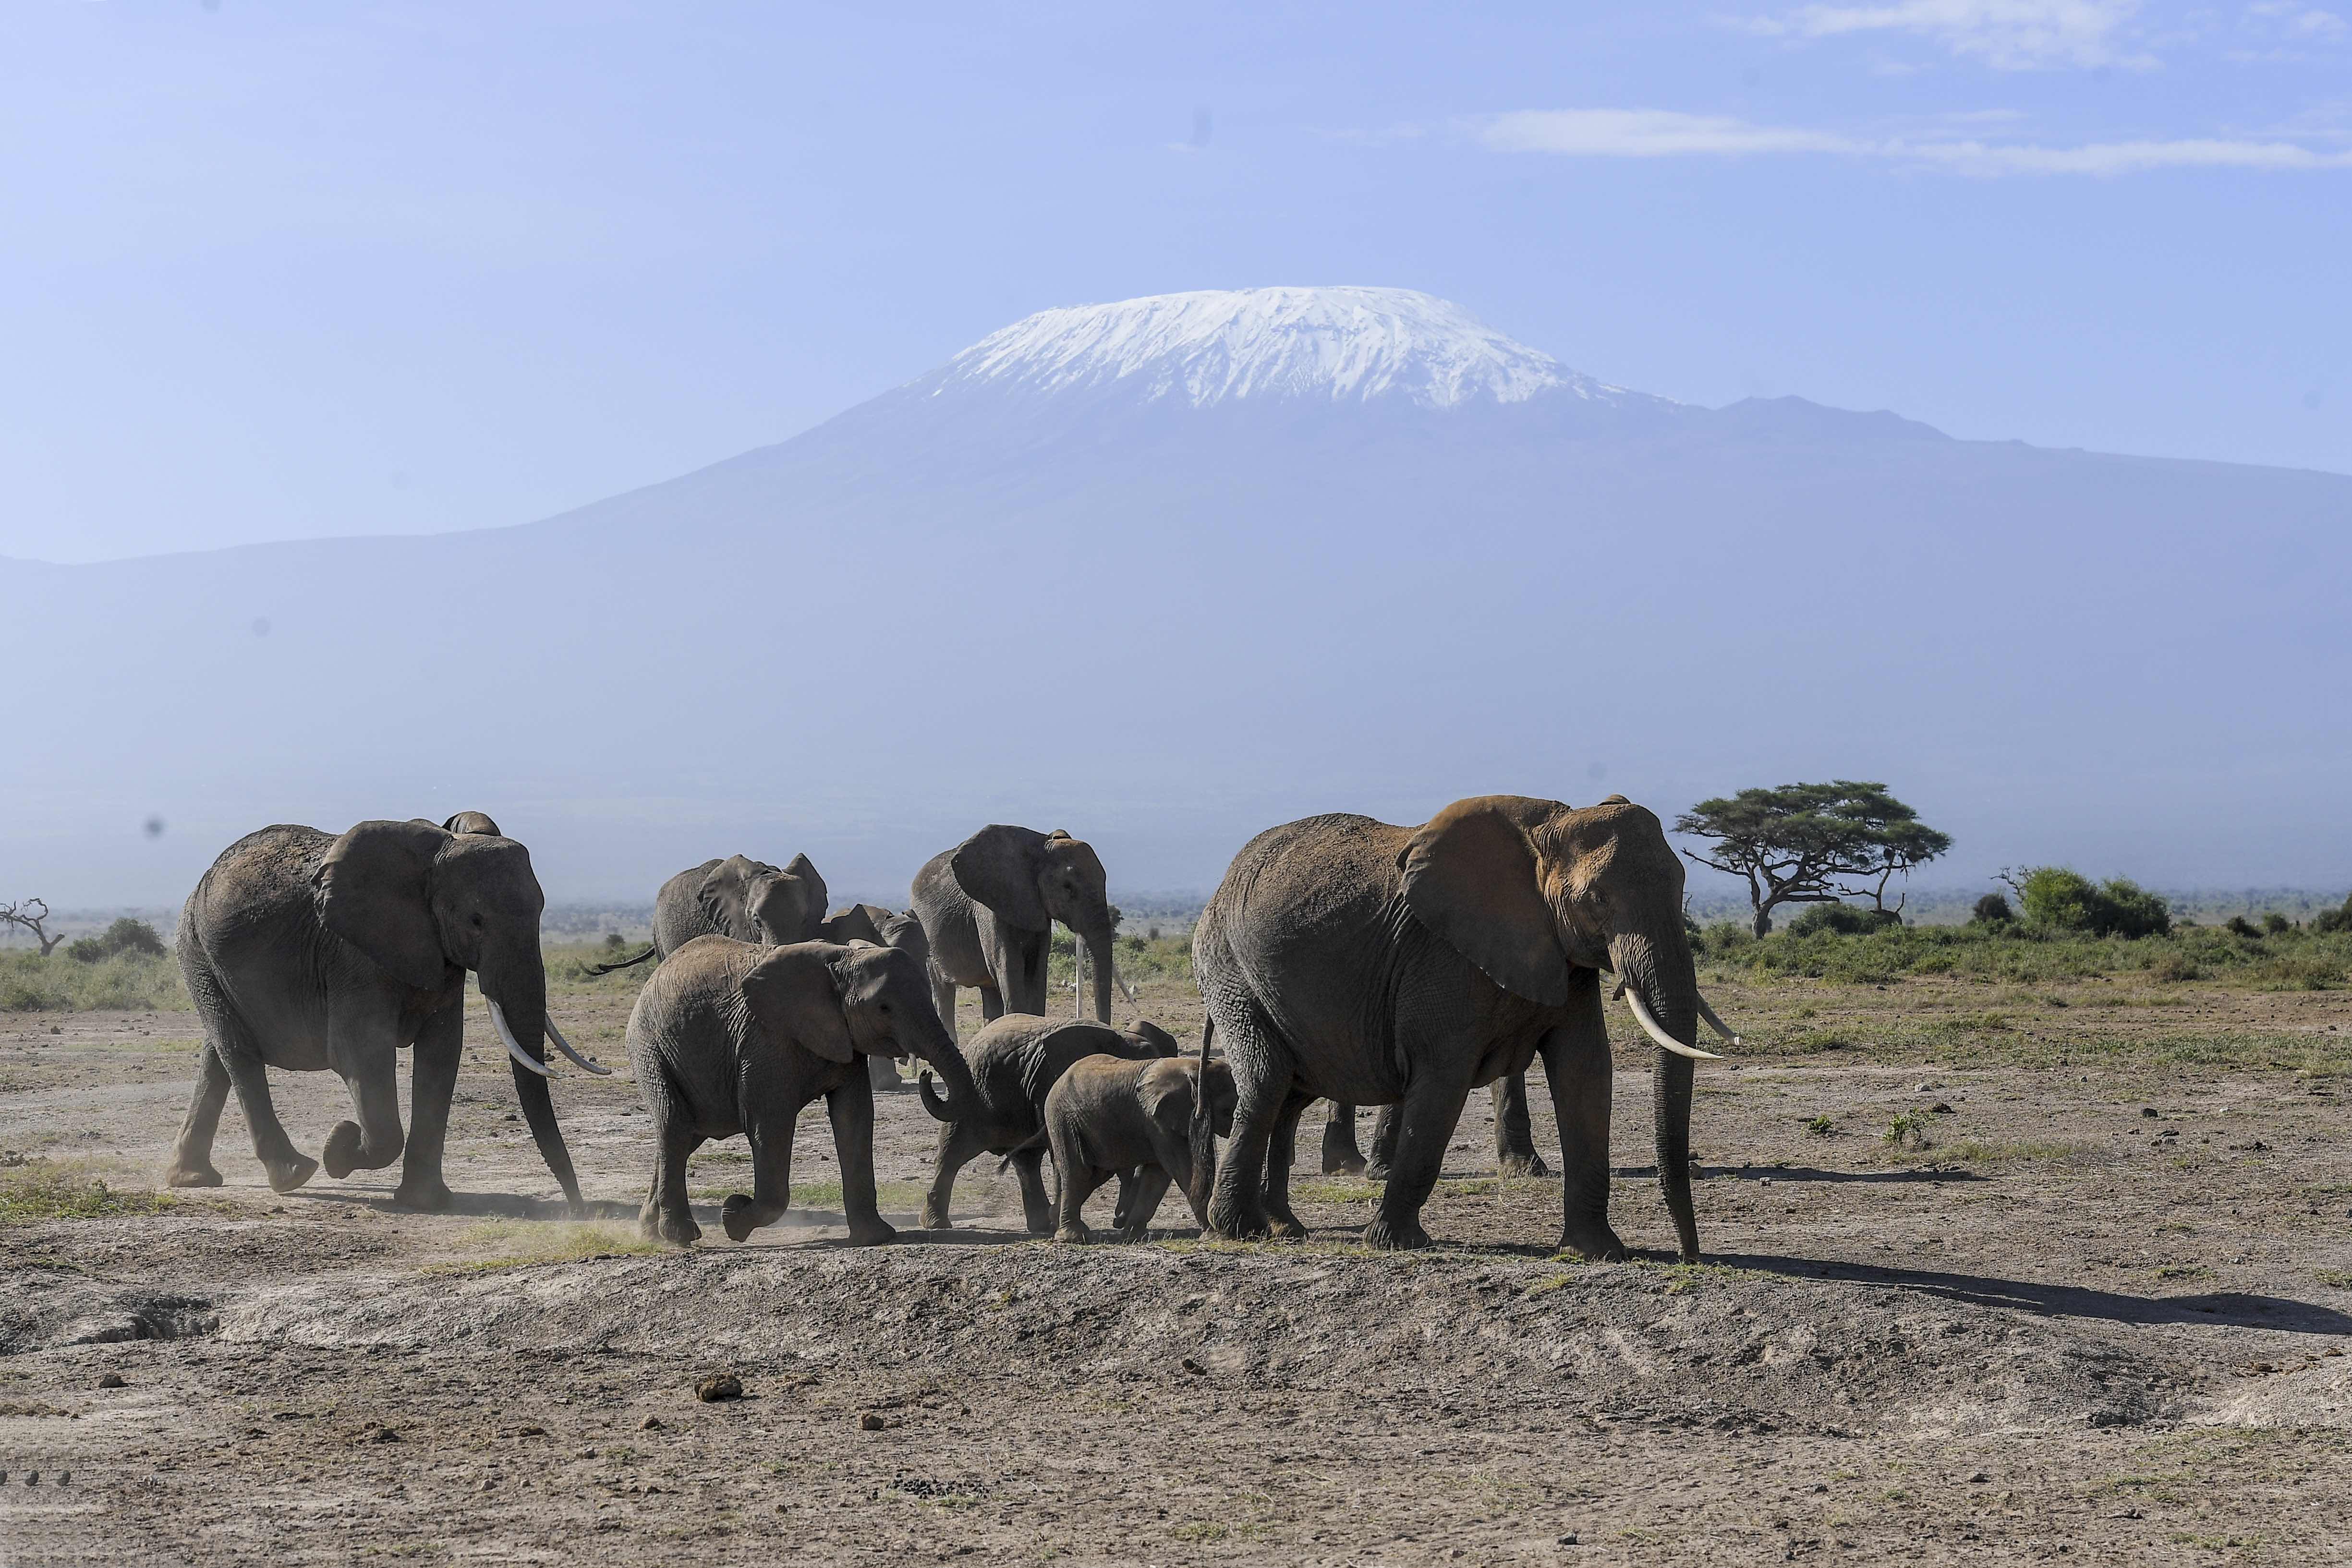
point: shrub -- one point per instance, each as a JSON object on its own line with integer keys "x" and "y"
{"x": 125, "y": 935}
{"x": 2276, "y": 924}
{"x": 2068, "y": 900}
{"x": 2239, "y": 925}
{"x": 2335, "y": 920}
{"x": 1992, "y": 909}
{"x": 1843, "y": 918}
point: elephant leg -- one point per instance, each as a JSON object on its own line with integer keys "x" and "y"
{"x": 667, "y": 1216}
{"x": 1078, "y": 1182}
{"x": 287, "y": 1166}
{"x": 1141, "y": 1193}
{"x": 1263, "y": 1070}
{"x": 1515, "y": 1138}
{"x": 992, "y": 1003}
{"x": 771, "y": 1137}
{"x": 959, "y": 1144}
{"x": 1425, "y": 1121}
{"x": 361, "y": 1045}
{"x": 882, "y": 1072}
{"x": 1340, "y": 1155}
{"x": 431, "y": 1085}
{"x": 851, "y": 1110}
{"x": 1281, "y": 1152}
{"x": 1384, "y": 1143}
{"x": 1036, "y": 1209}
{"x": 192, "y": 1155}
{"x": 1578, "y": 1065}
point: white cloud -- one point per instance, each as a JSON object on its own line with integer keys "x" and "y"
{"x": 1663, "y": 133}
{"x": 2010, "y": 35}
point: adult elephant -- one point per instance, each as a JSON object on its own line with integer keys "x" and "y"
{"x": 305, "y": 950}
{"x": 1350, "y": 959}
{"x": 988, "y": 904}
{"x": 884, "y": 928}
{"x": 738, "y": 897}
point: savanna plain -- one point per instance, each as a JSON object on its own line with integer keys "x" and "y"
{"x": 2014, "y": 1249}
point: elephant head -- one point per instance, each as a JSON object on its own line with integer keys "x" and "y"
{"x": 423, "y": 904}
{"x": 1168, "y": 1091}
{"x": 471, "y": 822}
{"x": 839, "y": 1002}
{"x": 1529, "y": 891}
{"x": 754, "y": 902}
{"x": 1029, "y": 879}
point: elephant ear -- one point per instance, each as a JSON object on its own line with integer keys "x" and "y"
{"x": 1164, "y": 1089}
{"x": 1471, "y": 876}
{"x": 998, "y": 866}
{"x": 375, "y": 893}
{"x": 472, "y": 822}
{"x": 725, "y": 894}
{"x": 793, "y": 998}
{"x": 802, "y": 868}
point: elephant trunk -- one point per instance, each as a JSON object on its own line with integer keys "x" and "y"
{"x": 1660, "y": 970}
{"x": 1098, "y": 959}
{"x": 1203, "y": 1136}
{"x": 517, "y": 987}
{"x": 937, "y": 1049}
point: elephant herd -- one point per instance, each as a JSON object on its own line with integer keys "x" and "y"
{"x": 1342, "y": 958}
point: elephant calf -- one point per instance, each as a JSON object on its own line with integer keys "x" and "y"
{"x": 1016, "y": 1061}
{"x": 1106, "y": 1116}
{"x": 731, "y": 1037}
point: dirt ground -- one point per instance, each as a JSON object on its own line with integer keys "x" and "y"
{"x": 2101, "y": 1314}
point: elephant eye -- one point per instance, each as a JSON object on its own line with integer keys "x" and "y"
{"x": 478, "y": 920}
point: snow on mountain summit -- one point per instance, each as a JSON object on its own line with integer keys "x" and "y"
{"x": 1343, "y": 344}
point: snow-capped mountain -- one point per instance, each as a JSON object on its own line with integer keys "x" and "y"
{"x": 1213, "y": 346}
{"x": 1167, "y": 571}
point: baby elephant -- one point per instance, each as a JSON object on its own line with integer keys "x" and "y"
{"x": 731, "y": 1037}
{"x": 1108, "y": 1115}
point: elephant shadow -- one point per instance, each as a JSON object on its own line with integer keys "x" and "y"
{"x": 488, "y": 1206}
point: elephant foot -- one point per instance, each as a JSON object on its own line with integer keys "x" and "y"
{"x": 1594, "y": 1244}
{"x": 1076, "y": 1235}
{"x": 1286, "y": 1228}
{"x": 879, "y": 1233}
{"x": 1342, "y": 1165}
{"x": 426, "y": 1195}
{"x": 344, "y": 1146}
{"x": 669, "y": 1229}
{"x": 1375, "y": 1171}
{"x": 1039, "y": 1224}
{"x": 735, "y": 1215}
{"x": 185, "y": 1173}
{"x": 1235, "y": 1225}
{"x": 1529, "y": 1164}
{"x": 1132, "y": 1233}
{"x": 934, "y": 1217}
{"x": 290, "y": 1173}
{"x": 1386, "y": 1235}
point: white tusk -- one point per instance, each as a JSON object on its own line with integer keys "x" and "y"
{"x": 564, "y": 1046}
{"x": 1657, "y": 1030}
{"x": 1715, "y": 1023}
{"x": 522, "y": 1057}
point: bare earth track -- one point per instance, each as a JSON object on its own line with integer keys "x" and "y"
{"x": 2065, "y": 1329}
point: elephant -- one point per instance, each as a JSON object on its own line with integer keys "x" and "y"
{"x": 748, "y": 900}
{"x": 1111, "y": 1116}
{"x": 304, "y": 950}
{"x": 1014, "y": 1062}
{"x": 1350, "y": 960}
{"x": 884, "y": 928}
{"x": 1515, "y": 1148}
{"x": 988, "y": 904}
{"x": 731, "y": 1037}
{"x": 471, "y": 822}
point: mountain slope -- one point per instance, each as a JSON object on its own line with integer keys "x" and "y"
{"x": 1167, "y": 574}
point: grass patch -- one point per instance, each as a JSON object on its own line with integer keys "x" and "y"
{"x": 2341, "y": 1279}
{"x": 2021, "y": 952}
{"x": 1335, "y": 1190}
{"x": 1976, "y": 1152}
{"x": 65, "y": 1189}
{"x": 519, "y": 1243}
{"x": 126, "y": 982}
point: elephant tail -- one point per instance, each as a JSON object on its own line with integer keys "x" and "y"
{"x": 1204, "y": 1135}
{"x": 623, "y": 964}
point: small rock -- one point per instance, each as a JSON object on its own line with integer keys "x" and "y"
{"x": 719, "y": 1386}
{"x": 113, "y": 1380}
{"x": 385, "y": 1435}
{"x": 2149, "y": 1112}
{"x": 1194, "y": 1367}
{"x": 869, "y": 1422}
{"x": 1568, "y": 1539}
{"x": 1939, "y": 1108}
{"x": 650, "y": 1424}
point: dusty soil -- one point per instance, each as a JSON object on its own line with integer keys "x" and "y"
{"x": 2103, "y": 1314}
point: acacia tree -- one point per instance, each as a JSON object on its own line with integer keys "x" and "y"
{"x": 32, "y": 915}
{"x": 1807, "y": 843}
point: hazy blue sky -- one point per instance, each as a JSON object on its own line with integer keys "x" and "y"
{"x": 274, "y": 269}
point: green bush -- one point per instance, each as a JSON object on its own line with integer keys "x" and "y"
{"x": 1843, "y": 918}
{"x": 2065, "y": 900}
{"x": 2276, "y": 924}
{"x": 125, "y": 935}
{"x": 1992, "y": 909}
{"x": 2239, "y": 925}
{"x": 2335, "y": 920}
{"x": 132, "y": 981}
